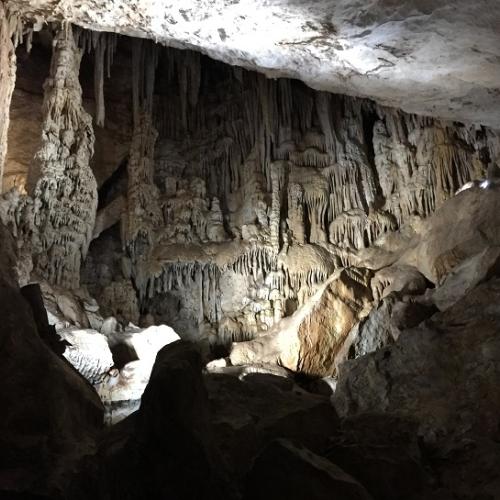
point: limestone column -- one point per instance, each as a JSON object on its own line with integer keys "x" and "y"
{"x": 278, "y": 179}
{"x": 7, "y": 82}
{"x": 144, "y": 214}
{"x": 65, "y": 196}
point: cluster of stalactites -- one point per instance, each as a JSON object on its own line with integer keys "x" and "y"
{"x": 422, "y": 162}
{"x": 335, "y": 170}
{"x": 65, "y": 196}
{"x": 186, "y": 275}
{"x": 412, "y": 165}
{"x": 104, "y": 47}
{"x": 257, "y": 260}
{"x": 144, "y": 64}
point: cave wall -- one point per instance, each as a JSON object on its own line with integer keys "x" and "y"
{"x": 278, "y": 185}
{"x": 226, "y": 198}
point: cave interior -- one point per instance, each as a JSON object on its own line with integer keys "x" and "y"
{"x": 221, "y": 283}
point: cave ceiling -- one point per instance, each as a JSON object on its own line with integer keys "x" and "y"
{"x": 434, "y": 58}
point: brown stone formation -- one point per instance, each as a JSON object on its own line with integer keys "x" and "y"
{"x": 323, "y": 334}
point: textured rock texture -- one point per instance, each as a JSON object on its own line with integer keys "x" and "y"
{"x": 418, "y": 55}
{"x": 443, "y": 374}
{"x": 463, "y": 331}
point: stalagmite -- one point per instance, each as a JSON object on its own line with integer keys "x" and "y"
{"x": 99, "y": 83}
{"x": 296, "y": 212}
{"x": 144, "y": 212}
{"x": 278, "y": 176}
{"x": 65, "y": 196}
{"x": 7, "y": 79}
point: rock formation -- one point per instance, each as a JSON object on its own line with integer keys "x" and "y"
{"x": 52, "y": 415}
{"x": 241, "y": 262}
{"x": 7, "y": 79}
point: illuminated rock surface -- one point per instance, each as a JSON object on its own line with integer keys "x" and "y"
{"x": 438, "y": 59}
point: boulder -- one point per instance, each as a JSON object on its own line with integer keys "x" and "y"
{"x": 383, "y": 452}
{"x": 249, "y": 413}
{"x": 88, "y": 351}
{"x": 72, "y": 310}
{"x": 443, "y": 373}
{"x": 466, "y": 276}
{"x": 67, "y": 308}
{"x": 404, "y": 279}
{"x": 52, "y": 415}
{"x": 166, "y": 449}
{"x": 462, "y": 227}
{"x": 284, "y": 471}
{"x": 385, "y": 322}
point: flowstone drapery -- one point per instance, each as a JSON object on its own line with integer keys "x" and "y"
{"x": 65, "y": 196}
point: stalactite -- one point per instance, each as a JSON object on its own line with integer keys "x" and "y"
{"x": 278, "y": 176}
{"x": 311, "y": 157}
{"x": 194, "y": 77}
{"x": 99, "y": 84}
{"x": 144, "y": 215}
{"x": 65, "y": 196}
{"x": 348, "y": 229}
{"x": 323, "y": 104}
{"x": 104, "y": 47}
{"x": 137, "y": 76}
{"x": 258, "y": 259}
